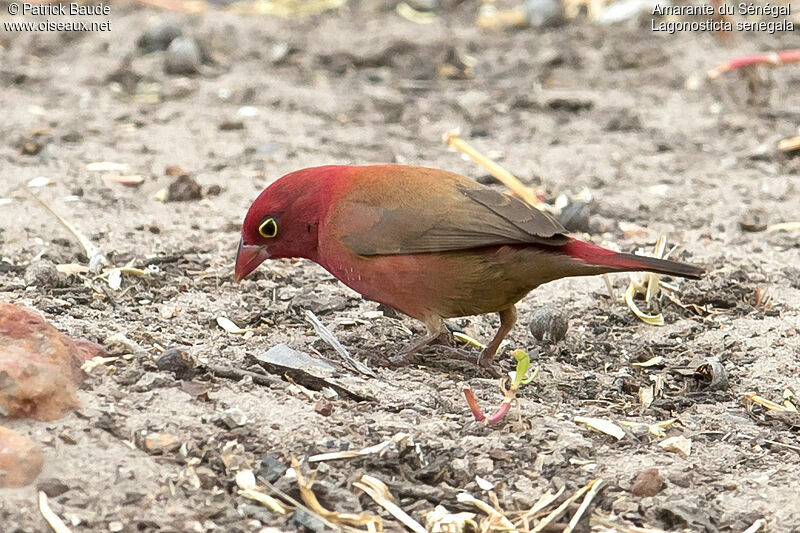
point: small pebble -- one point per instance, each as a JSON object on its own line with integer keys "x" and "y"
{"x": 177, "y": 361}
{"x": 543, "y": 13}
{"x": 647, "y": 483}
{"x": 233, "y": 418}
{"x": 183, "y": 57}
{"x": 184, "y": 189}
{"x": 271, "y": 468}
{"x": 158, "y": 37}
{"x": 549, "y": 325}
{"x": 42, "y": 273}
{"x": 159, "y": 443}
{"x": 323, "y": 407}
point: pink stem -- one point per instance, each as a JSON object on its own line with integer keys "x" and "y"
{"x": 472, "y": 402}
{"x": 505, "y": 407}
{"x": 771, "y": 58}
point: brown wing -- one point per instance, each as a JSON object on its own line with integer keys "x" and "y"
{"x": 421, "y": 210}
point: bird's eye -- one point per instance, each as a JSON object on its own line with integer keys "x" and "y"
{"x": 268, "y": 228}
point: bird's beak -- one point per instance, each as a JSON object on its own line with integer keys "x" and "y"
{"x": 248, "y": 257}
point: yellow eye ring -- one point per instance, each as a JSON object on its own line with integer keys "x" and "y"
{"x": 268, "y": 228}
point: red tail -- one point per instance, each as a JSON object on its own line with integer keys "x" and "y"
{"x": 622, "y": 262}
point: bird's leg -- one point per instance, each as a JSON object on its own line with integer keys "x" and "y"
{"x": 508, "y": 317}
{"x": 435, "y": 326}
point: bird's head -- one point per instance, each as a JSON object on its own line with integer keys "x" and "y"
{"x": 283, "y": 221}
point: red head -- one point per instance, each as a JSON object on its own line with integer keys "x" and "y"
{"x": 284, "y": 220}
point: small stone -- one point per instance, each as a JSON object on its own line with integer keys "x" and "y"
{"x": 42, "y": 273}
{"x": 549, "y": 325}
{"x": 753, "y": 220}
{"x": 213, "y": 190}
{"x": 52, "y": 487}
{"x": 39, "y": 366}
{"x": 183, "y": 189}
{"x": 647, "y": 483}
{"x": 461, "y": 470}
{"x": 679, "y": 444}
{"x": 160, "y": 443}
{"x": 150, "y": 381}
{"x": 118, "y": 344}
{"x": 323, "y": 407}
{"x": 544, "y": 13}
{"x": 158, "y": 37}
{"x": 233, "y": 418}
{"x": 272, "y": 468}
{"x": 575, "y": 217}
{"x": 311, "y": 522}
{"x": 115, "y": 526}
{"x": 177, "y": 361}
{"x": 483, "y": 466}
{"x": 20, "y": 459}
{"x": 183, "y": 56}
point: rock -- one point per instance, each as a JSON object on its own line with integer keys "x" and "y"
{"x": 150, "y": 381}
{"x": 161, "y": 443}
{"x": 42, "y": 273}
{"x": 20, "y": 459}
{"x": 575, "y": 217}
{"x": 483, "y": 466}
{"x": 184, "y": 189}
{"x": 233, "y": 418}
{"x": 40, "y": 367}
{"x": 158, "y": 37}
{"x": 52, "y": 487}
{"x": 118, "y": 345}
{"x": 183, "y": 56}
{"x": 177, "y": 361}
{"x": 543, "y": 13}
{"x": 647, "y": 483}
{"x": 753, "y": 220}
{"x": 549, "y": 325}
{"x": 272, "y": 468}
{"x": 323, "y": 407}
{"x": 461, "y": 470}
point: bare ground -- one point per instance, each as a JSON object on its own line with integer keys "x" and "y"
{"x": 581, "y": 106}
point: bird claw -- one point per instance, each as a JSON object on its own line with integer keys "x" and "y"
{"x": 480, "y": 359}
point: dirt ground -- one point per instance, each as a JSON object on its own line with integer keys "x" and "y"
{"x": 605, "y": 108}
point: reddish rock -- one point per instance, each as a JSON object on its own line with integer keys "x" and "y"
{"x": 647, "y": 483}
{"x": 20, "y": 459}
{"x": 323, "y": 407}
{"x": 39, "y": 366}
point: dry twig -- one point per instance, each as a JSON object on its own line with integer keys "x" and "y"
{"x": 57, "y": 525}
{"x": 506, "y": 178}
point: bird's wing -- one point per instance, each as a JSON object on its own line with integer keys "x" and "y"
{"x": 452, "y": 215}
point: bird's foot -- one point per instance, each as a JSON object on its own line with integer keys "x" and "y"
{"x": 402, "y": 359}
{"x": 479, "y": 359}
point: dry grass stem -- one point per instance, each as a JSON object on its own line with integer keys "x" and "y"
{"x": 53, "y": 520}
{"x": 378, "y": 491}
{"x": 506, "y": 178}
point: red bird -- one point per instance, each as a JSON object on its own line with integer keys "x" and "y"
{"x": 430, "y": 243}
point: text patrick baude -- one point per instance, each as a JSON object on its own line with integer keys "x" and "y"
{"x": 65, "y": 9}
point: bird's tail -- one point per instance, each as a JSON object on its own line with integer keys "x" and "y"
{"x": 612, "y": 261}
